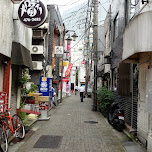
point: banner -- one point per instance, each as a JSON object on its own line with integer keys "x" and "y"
{"x": 67, "y": 72}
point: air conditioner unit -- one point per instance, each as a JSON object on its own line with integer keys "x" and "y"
{"x": 107, "y": 68}
{"x": 37, "y": 49}
{"x": 37, "y": 33}
{"x": 37, "y": 65}
{"x": 107, "y": 60}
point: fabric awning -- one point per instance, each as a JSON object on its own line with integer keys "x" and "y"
{"x": 21, "y": 55}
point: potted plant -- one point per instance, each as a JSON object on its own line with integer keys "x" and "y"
{"x": 105, "y": 99}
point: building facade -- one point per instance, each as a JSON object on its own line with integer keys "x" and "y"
{"x": 128, "y": 51}
{"x": 139, "y": 52}
{"x": 15, "y": 51}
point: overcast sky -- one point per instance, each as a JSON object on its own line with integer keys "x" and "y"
{"x": 65, "y": 4}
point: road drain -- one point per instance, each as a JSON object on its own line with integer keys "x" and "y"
{"x": 47, "y": 141}
{"x": 91, "y": 122}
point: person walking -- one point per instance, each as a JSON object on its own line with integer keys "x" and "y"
{"x": 81, "y": 89}
{"x": 76, "y": 89}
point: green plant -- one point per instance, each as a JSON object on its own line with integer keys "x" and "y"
{"x": 23, "y": 79}
{"x": 33, "y": 88}
{"x": 22, "y": 115}
{"x": 105, "y": 99}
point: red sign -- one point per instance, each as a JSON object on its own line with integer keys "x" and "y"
{"x": 3, "y": 102}
{"x": 65, "y": 79}
{"x": 67, "y": 72}
{"x": 83, "y": 62}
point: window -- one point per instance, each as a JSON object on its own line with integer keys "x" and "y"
{"x": 115, "y": 34}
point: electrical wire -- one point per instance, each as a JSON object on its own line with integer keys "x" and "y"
{"x": 103, "y": 7}
{"x": 79, "y": 39}
{"x": 67, "y": 4}
{"x": 73, "y": 13}
{"x": 102, "y": 43}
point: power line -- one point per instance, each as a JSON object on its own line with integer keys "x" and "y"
{"x": 103, "y": 7}
{"x": 67, "y": 4}
{"x": 74, "y": 12}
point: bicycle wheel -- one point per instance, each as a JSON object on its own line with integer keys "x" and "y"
{"x": 3, "y": 140}
{"x": 17, "y": 122}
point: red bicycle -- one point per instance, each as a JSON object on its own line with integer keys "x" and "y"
{"x": 10, "y": 125}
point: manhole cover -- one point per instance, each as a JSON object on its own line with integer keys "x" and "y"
{"x": 91, "y": 122}
{"x": 47, "y": 141}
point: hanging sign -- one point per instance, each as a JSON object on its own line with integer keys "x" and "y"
{"x": 32, "y": 13}
{"x": 58, "y": 50}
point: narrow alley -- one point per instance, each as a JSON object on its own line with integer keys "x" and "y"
{"x": 69, "y": 122}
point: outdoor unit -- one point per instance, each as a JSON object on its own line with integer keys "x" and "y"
{"x": 37, "y": 49}
{"x": 107, "y": 60}
{"x": 37, "y": 65}
{"x": 107, "y": 68}
{"x": 38, "y": 34}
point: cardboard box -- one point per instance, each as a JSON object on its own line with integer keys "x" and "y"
{"x": 43, "y": 98}
{"x": 36, "y": 95}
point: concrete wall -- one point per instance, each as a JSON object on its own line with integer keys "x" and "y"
{"x": 22, "y": 34}
{"x": 6, "y": 27}
{"x": 145, "y": 97}
{"x": 101, "y": 38}
{"x": 137, "y": 35}
{"x": 117, "y": 7}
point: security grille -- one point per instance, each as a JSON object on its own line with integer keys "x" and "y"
{"x": 129, "y": 100}
{"x": 130, "y": 105}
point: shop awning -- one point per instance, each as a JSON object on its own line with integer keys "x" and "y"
{"x": 20, "y": 55}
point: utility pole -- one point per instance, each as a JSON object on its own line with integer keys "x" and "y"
{"x": 87, "y": 41}
{"x": 62, "y": 62}
{"x": 95, "y": 47}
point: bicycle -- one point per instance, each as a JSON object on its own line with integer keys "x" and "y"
{"x": 10, "y": 124}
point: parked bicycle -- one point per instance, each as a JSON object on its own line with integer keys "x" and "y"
{"x": 12, "y": 125}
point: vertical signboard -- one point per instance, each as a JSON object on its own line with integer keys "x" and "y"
{"x": 68, "y": 48}
{"x": 44, "y": 86}
{"x": 67, "y": 88}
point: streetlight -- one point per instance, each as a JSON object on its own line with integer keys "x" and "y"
{"x": 68, "y": 38}
{"x": 74, "y": 36}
